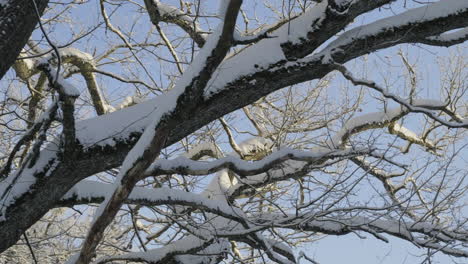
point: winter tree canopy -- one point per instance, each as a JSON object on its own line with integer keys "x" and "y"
{"x": 230, "y": 131}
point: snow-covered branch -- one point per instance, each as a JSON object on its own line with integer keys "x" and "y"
{"x": 265, "y": 67}
{"x": 365, "y": 122}
{"x": 244, "y": 168}
{"x": 180, "y": 103}
{"x": 162, "y": 255}
{"x": 67, "y": 96}
{"x": 84, "y": 63}
{"x": 431, "y": 236}
{"x": 161, "y": 12}
{"x": 94, "y": 192}
{"x": 413, "y": 18}
{"x": 408, "y": 135}
{"x": 448, "y": 39}
{"x": 424, "y": 107}
{"x": 40, "y": 126}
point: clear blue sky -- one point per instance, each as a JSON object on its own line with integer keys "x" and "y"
{"x": 344, "y": 249}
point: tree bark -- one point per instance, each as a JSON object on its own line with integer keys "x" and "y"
{"x": 53, "y": 184}
{"x": 18, "y": 19}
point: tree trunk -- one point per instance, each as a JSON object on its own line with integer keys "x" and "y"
{"x": 17, "y": 21}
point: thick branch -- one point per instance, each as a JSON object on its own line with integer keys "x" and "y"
{"x": 185, "y": 96}
{"x": 18, "y": 20}
{"x": 105, "y": 151}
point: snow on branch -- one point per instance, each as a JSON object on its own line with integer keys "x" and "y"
{"x": 243, "y": 168}
{"x": 249, "y": 39}
{"x": 416, "y": 106}
{"x": 67, "y": 96}
{"x": 290, "y": 170}
{"x": 421, "y": 234}
{"x": 84, "y": 63}
{"x": 382, "y": 119}
{"x": 87, "y": 66}
{"x": 365, "y": 122}
{"x": 164, "y": 254}
{"x": 266, "y": 52}
{"x": 94, "y": 192}
{"x": 414, "y": 16}
{"x": 20, "y": 182}
{"x": 432, "y": 235}
{"x": 180, "y": 101}
{"x": 161, "y": 12}
{"x": 448, "y": 39}
{"x": 202, "y": 150}
{"x": 39, "y": 126}
{"x": 410, "y": 136}
{"x": 63, "y": 87}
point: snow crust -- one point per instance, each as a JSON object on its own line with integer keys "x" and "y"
{"x": 86, "y": 190}
{"x": 114, "y": 127}
{"x": 416, "y": 15}
{"x": 451, "y": 36}
{"x": 249, "y": 61}
{"x": 156, "y": 255}
{"x": 73, "y": 52}
{"x": 366, "y": 119}
{"x": 168, "y": 103}
{"x": 67, "y": 88}
{"x": 168, "y": 10}
{"x": 20, "y": 182}
{"x": 266, "y": 52}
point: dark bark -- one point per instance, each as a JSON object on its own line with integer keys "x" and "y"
{"x": 188, "y": 101}
{"x": 47, "y": 192}
{"x": 17, "y": 22}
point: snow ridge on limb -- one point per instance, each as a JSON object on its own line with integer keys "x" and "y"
{"x": 39, "y": 126}
{"x": 84, "y": 62}
{"x": 231, "y": 219}
{"x": 67, "y": 96}
{"x": 180, "y": 101}
{"x": 423, "y": 107}
{"x": 364, "y": 122}
{"x": 92, "y": 192}
{"x": 242, "y": 167}
{"x": 419, "y": 233}
{"x": 266, "y": 52}
{"x": 448, "y": 39}
{"x": 164, "y": 254}
{"x": 161, "y": 12}
{"x": 383, "y": 119}
{"x": 63, "y": 87}
{"x": 312, "y": 70}
{"x": 423, "y": 14}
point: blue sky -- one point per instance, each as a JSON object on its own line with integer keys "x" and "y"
{"x": 343, "y": 249}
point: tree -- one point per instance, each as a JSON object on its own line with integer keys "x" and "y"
{"x": 297, "y": 170}
{"x": 19, "y": 18}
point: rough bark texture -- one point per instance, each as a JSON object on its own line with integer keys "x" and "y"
{"x": 17, "y": 22}
{"x": 47, "y": 192}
